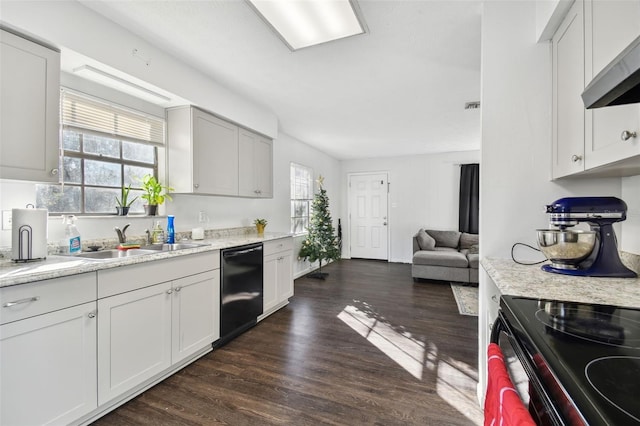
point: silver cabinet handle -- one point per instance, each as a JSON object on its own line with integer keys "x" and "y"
{"x": 21, "y": 301}
{"x": 196, "y": 185}
{"x": 54, "y": 172}
{"x": 92, "y": 314}
{"x": 494, "y": 298}
{"x": 280, "y": 258}
{"x": 169, "y": 291}
{"x": 177, "y": 289}
{"x": 576, "y": 158}
{"x": 626, "y": 135}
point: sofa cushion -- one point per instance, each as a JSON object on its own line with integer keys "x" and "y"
{"x": 445, "y": 238}
{"x": 474, "y": 260}
{"x": 467, "y": 240}
{"x": 425, "y": 241}
{"x": 450, "y": 258}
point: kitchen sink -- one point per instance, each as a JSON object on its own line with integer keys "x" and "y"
{"x": 151, "y": 249}
{"x": 171, "y": 247}
{"x": 114, "y": 254}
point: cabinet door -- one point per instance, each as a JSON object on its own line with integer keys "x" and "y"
{"x": 215, "y": 150}
{"x": 277, "y": 280}
{"x": 568, "y": 84}
{"x": 48, "y": 367}
{"x": 285, "y": 276}
{"x": 613, "y": 26}
{"x": 134, "y": 339}
{"x": 196, "y": 314}
{"x": 255, "y": 165}
{"x": 270, "y": 282}
{"x": 29, "y": 117}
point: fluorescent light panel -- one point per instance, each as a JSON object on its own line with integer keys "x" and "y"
{"x": 304, "y": 23}
{"x": 110, "y": 80}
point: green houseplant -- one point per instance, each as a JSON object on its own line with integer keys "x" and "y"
{"x": 123, "y": 202}
{"x": 260, "y": 225}
{"x": 154, "y": 193}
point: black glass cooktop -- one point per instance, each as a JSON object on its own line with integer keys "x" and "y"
{"x": 592, "y": 352}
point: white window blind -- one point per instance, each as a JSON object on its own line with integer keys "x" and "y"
{"x": 84, "y": 112}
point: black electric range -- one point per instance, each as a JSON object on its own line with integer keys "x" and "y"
{"x": 585, "y": 356}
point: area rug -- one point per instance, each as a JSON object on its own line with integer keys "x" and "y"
{"x": 466, "y": 298}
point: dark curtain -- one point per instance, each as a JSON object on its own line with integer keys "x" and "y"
{"x": 469, "y": 198}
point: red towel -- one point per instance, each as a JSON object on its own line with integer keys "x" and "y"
{"x": 502, "y": 405}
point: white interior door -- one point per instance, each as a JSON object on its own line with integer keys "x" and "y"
{"x": 368, "y": 216}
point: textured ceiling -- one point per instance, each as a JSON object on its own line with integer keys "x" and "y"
{"x": 400, "y": 89}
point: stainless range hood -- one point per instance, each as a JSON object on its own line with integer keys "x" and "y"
{"x": 618, "y": 83}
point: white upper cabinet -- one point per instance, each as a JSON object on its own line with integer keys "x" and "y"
{"x": 613, "y": 26}
{"x": 592, "y": 34}
{"x": 29, "y": 110}
{"x": 202, "y": 153}
{"x": 568, "y": 84}
{"x": 208, "y": 155}
{"x": 255, "y": 165}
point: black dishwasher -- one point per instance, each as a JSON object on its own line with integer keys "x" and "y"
{"x": 241, "y": 290}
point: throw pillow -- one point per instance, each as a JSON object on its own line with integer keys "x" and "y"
{"x": 467, "y": 240}
{"x": 445, "y": 238}
{"x": 425, "y": 241}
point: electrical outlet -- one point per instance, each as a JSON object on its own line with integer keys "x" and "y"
{"x": 6, "y": 219}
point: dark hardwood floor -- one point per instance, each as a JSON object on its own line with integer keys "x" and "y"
{"x": 367, "y": 346}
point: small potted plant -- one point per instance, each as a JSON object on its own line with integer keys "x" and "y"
{"x": 123, "y": 202}
{"x": 260, "y": 225}
{"x": 154, "y": 193}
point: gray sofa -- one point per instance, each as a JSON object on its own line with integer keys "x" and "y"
{"x": 445, "y": 256}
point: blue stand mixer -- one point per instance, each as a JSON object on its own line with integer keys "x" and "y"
{"x": 591, "y": 253}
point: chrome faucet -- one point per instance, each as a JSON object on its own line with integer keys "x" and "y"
{"x": 149, "y": 240}
{"x": 122, "y": 238}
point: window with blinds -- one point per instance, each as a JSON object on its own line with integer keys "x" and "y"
{"x": 104, "y": 148}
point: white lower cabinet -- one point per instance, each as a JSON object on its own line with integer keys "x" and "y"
{"x": 195, "y": 314}
{"x": 134, "y": 339}
{"x": 48, "y": 367}
{"x": 278, "y": 274}
{"x": 144, "y": 332}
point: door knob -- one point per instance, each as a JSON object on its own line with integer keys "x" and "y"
{"x": 626, "y": 135}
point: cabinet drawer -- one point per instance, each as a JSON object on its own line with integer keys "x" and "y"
{"x": 132, "y": 277}
{"x": 28, "y": 300}
{"x": 276, "y": 246}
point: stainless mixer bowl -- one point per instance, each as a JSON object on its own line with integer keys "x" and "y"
{"x": 566, "y": 248}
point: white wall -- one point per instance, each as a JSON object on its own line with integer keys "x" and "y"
{"x": 70, "y": 25}
{"x": 516, "y": 132}
{"x": 630, "y": 236}
{"x": 423, "y": 192}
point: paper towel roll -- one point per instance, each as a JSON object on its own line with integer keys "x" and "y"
{"x": 29, "y": 234}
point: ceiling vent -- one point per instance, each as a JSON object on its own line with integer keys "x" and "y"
{"x": 472, "y": 105}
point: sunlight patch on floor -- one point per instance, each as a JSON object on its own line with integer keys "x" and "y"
{"x": 452, "y": 376}
{"x": 418, "y": 358}
{"x": 401, "y": 347}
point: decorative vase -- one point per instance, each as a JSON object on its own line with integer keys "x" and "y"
{"x": 260, "y": 229}
{"x": 122, "y": 211}
{"x": 151, "y": 210}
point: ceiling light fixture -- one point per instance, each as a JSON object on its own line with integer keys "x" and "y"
{"x": 110, "y": 80}
{"x": 307, "y": 23}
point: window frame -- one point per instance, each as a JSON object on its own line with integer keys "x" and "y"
{"x": 122, "y": 129}
{"x": 309, "y": 170}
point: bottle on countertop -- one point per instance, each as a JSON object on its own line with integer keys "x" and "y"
{"x": 71, "y": 243}
{"x": 158, "y": 234}
{"x": 171, "y": 232}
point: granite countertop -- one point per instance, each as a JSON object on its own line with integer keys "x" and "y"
{"x": 530, "y": 281}
{"x": 55, "y": 266}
